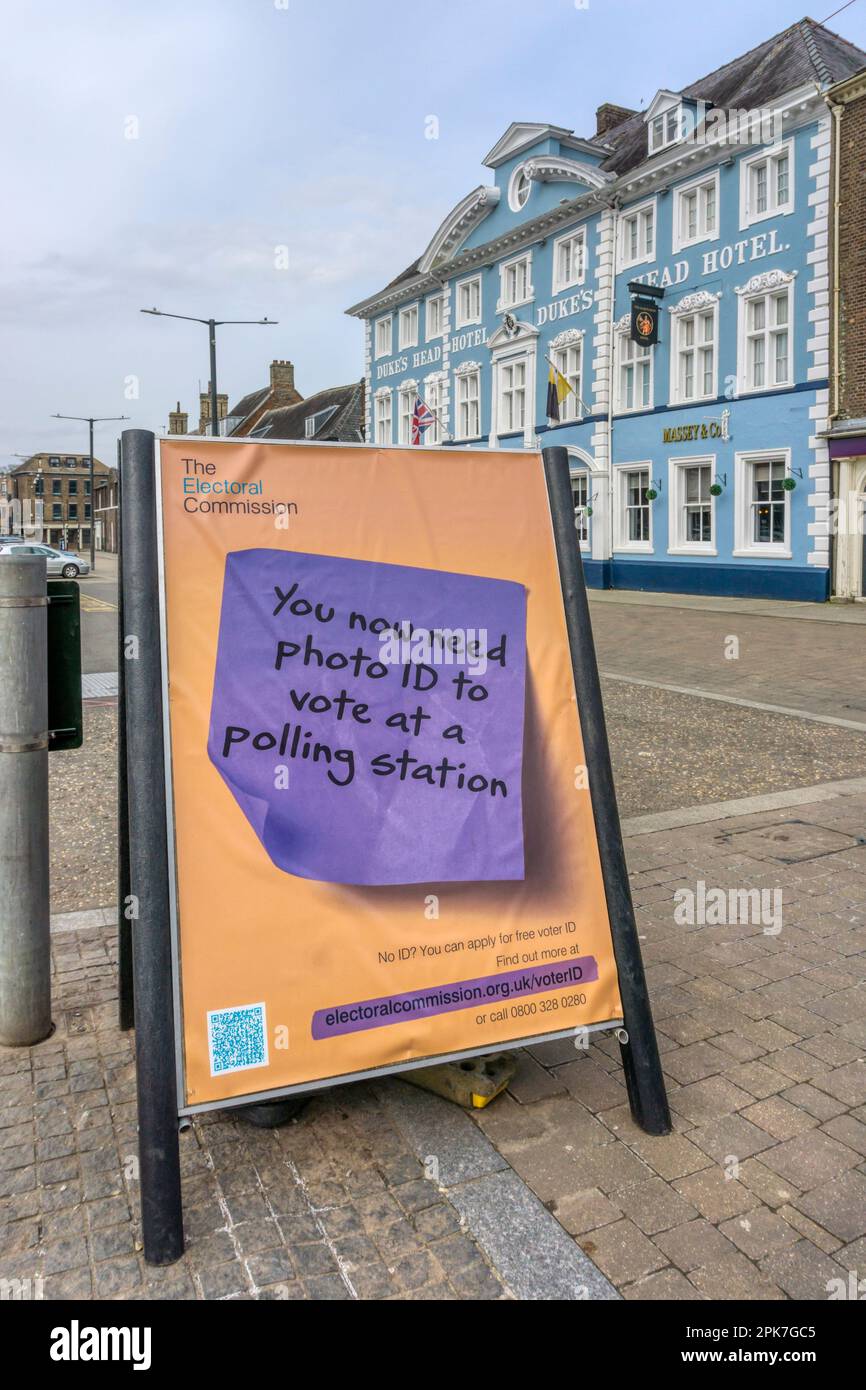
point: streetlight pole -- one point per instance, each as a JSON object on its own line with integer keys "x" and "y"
{"x": 212, "y": 325}
{"x": 90, "y": 420}
{"x": 214, "y": 408}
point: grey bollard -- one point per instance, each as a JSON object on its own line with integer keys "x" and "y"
{"x": 25, "y": 966}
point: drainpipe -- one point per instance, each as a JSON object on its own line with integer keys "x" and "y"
{"x": 615, "y": 206}
{"x": 836, "y": 108}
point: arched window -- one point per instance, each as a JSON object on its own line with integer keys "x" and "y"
{"x": 580, "y": 491}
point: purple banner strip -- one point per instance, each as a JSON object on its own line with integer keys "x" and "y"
{"x": 848, "y": 448}
{"x": 443, "y": 999}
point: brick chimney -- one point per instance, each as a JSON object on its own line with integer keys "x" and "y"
{"x": 282, "y": 376}
{"x": 178, "y": 421}
{"x": 204, "y": 409}
{"x": 608, "y": 116}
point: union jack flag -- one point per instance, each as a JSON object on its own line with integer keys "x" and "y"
{"x": 422, "y": 419}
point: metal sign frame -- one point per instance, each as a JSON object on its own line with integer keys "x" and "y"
{"x": 155, "y": 957}
{"x": 65, "y": 726}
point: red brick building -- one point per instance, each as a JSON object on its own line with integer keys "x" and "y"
{"x": 847, "y": 415}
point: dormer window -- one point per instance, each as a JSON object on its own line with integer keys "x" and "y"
{"x": 314, "y": 423}
{"x": 664, "y": 129}
{"x": 665, "y": 121}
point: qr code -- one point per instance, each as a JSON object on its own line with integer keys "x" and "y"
{"x": 237, "y": 1038}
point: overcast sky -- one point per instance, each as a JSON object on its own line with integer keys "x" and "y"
{"x": 162, "y": 152}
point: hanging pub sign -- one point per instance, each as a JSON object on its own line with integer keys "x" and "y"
{"x": 644, "y": 322}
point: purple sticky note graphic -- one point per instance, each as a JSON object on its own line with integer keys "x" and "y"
{"x": 368, "y": 718}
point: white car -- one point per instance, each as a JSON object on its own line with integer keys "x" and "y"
{"x": 63, "y": 562}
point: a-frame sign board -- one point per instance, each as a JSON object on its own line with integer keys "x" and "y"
{"x": 371, "y": 816}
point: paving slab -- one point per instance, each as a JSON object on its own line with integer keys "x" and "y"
{"x": 532, "y": 1253}
{"x": 441, "y": 1134}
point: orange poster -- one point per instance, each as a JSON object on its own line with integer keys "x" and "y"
{"x": 383, "y": 838}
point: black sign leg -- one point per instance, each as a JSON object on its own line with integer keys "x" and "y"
{"x": 640, "y": 1054}
{"x": 125, "y": 1004}
{"x": 159, "y": 1154}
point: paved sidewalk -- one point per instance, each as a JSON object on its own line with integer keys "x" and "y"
{"x": 760, "y": 1192}
{"x": 795, "y": 662}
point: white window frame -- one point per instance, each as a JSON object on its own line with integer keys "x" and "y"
{"x": 474, "y": 374}
{"x": 678, "y": 544}
{"x": 655, "y": 146}
{"x": 404, "y": 417}
{"x": 622, "y": 542}
{"x": 504, "y": 304}
{"x": 380, "y": 323}
{"x": 434, "y": 398}
{"x": 769, "y": 156}
{"x": 681, "y": 242}
{"x": 639, "y": 211}
{"x": 577, "y": 234}
{"x": 407, "y": 326}
{"x": 678, "y": 322}
{"x": 459, "y": 320}
{"x": 584, "y": 477}
{"x": 506, "y": 386}
{"x": 514, "y": 183}
{"x": 744, "y": 543}
{"x": 383, "y": 396}
{"x": 620, "y": 407}
{"x": 571, "y": 409}
{"x": 746, "y": 299}
{"x": 439, "y": 299}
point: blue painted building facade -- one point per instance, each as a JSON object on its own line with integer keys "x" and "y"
{"x": 697, "y": 464}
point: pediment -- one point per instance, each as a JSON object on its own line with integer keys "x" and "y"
{"x": 522, "y": 135}
{"x": 455, "y": 228}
